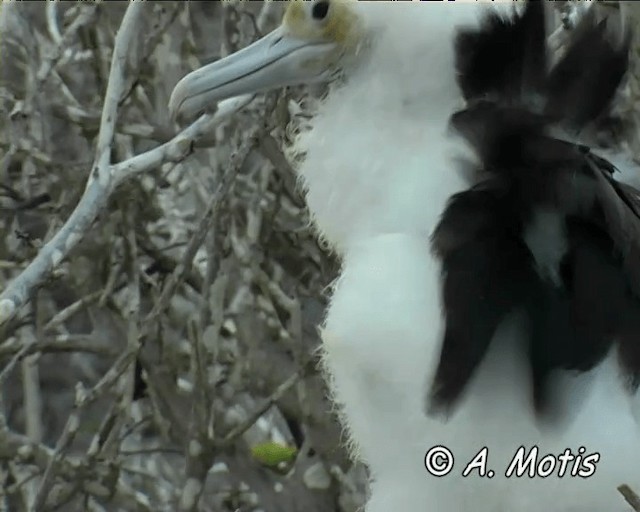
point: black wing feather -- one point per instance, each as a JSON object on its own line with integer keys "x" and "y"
{"x": 485, "y": 263}
{"x": 520, "y": 43}
{"x": 488, "y": 270}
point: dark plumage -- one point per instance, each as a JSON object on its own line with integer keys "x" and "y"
{"x": 505, "y": 57}
{"x": 506, "y": 60}
{"x": 588, "y": 299}
{"x": 580, "y": 87}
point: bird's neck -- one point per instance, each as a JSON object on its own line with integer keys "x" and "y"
{"x": 380, "y": 158}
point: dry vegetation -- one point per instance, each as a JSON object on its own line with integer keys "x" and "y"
{"x": 159, "y": 290}
{"x": 159, "y": 294}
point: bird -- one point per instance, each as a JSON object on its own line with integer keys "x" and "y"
{"x": 384, "y": 161}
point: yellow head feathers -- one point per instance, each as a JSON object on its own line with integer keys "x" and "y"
{"x": 323, "y": 20}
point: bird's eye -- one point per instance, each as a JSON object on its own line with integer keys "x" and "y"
{"x": 320, "y": 10}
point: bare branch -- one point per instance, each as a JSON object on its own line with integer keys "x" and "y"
{"x": 52, "y": 23}
{"x": 64, "y": 442}
{"x": 204, "y": 225}
{"x": 104, "y": 178}
{"x": 98, "y": 185}
{"x": 630, "y": 497}
{"x": 259, "y": 411}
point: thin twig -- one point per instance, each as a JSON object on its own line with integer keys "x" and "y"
{"x": 52, "y": 23}
{"x": 85, "y": 15}
{"x": 203, "y": 226}
{"x": 259, "y": 411}
{"x": 62, "y": 343}
{"x": 630, "y": 497}
{"x": 64, "y": 442}
{"x": 19, "y": 356}
{"x": 72, "y": 309}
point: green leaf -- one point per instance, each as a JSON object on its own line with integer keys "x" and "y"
{"x": 273, "y": 454}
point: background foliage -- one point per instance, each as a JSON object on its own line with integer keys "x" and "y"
{"x": 141, "y": 374}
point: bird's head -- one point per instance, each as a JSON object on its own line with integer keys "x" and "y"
{"x": 308, "y": 47}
